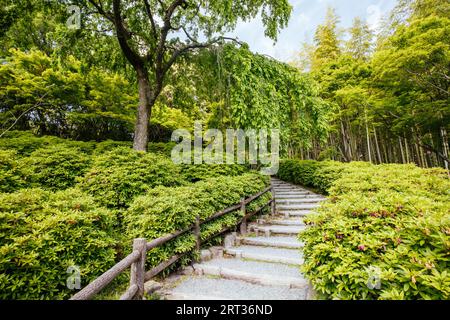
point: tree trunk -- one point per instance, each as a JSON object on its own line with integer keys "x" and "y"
{"x": 368, "y": 139}
{"x": 407, "y": 151}
{"x": 377, "y": 146}
{"x": 401, "y": 149}
{"x": 146, "y": 102}
{"x": 445, "y": 145}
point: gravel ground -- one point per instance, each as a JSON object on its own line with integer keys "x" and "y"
{"x": 236, "y": 290}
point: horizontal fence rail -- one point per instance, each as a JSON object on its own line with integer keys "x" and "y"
{"x": 136, "y": 259}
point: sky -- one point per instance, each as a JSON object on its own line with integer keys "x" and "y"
{"x": 305, "y": 17}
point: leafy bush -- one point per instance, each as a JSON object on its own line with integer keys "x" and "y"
{"x": 117, "y": 176}
{"x": 197, "y": 172}
{"x": 314, "y": 174}
{"x": 43, "y": 233}
{"x": 164, "y": 148}
{"x": 386, "y": 223}
{"x": 164, "y": 210}
{"x": 55, "y": 167}
{"x": 25, "y": 142}
{"x": 11, "y": 177}
{"x": 109, "y": 145}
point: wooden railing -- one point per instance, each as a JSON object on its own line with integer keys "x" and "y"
{"x": 136, "y": 259}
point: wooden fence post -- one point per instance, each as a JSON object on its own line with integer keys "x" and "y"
{"x": 244, "y": 220}
{"x": 272, "y": 204}
{"x": 138, "y": 267}
{"x": 197, "y": 235}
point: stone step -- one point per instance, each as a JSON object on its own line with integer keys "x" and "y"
{"x": 282, "y": 194}
{"x": 264, "y": 273}
{"x": 293, "y": 196}
{"x": 286, "y": 256}
{"x": 295, "y": 213}
{"x": 201, "y": 287}
{"x": 284, "y": 187}
{"x": 286, "y": 221}
{"x": 289, "y": 242}
{"x": 300, "y": 206}
{"x": 277, "y": 229}
{"x": 302, "y": 200}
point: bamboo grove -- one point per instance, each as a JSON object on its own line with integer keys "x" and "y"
{"x": 389, "y": 93}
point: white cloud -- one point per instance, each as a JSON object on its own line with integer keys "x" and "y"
{"x": 306, "y": 16}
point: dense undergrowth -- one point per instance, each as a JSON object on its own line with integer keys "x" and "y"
{"x": 68, "y": 203}
{"x": 384, "y": 233}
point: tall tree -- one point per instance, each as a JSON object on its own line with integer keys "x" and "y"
{"x": 360, "y": 43}
{"x": 326, "y": 40}
{"x": 153, "y": 34}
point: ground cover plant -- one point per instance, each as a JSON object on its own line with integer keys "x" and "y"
{"x": 384, "y": 233}
{"x": 66, "y": 203}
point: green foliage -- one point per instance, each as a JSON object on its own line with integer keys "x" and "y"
{"x": 411, "y": 69}
{"x": 261, "y": 92}
{"x": 387, "y": 222}
{"x": 389, "y": 103}
{"x": 39, "y": 92}
{"x": 326, "y": 39}
{"x": 54, "y": 167}
{"x": 42, "y": 234}
{"x": 117, "y": 176}
{"x": 161, "y": 148}
{"x": 164, "y": 210}
{"x": 109, "y": 145}
{"x": 25, "y": 142}
{"x": 314, "y": 174}
{"x": 11, "y": 177}
{"x": 196, "y": 172}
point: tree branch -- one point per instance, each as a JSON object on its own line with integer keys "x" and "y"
{"x": 37, "y": 104}
{"x": 152, "y": 20}
{"x": 193, "y": 46}
{"x": 123, "y": 36}
{"x": 100, "y": 10}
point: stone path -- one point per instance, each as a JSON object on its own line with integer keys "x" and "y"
{"x": 263, "y": 264}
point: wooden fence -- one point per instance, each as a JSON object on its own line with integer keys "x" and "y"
{"x": 136, "y": 259}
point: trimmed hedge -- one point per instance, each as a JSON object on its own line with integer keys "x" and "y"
{"x": 384, "y": 233}
{"x": 313, "y": 174}
{"x": 43, "y": 233}
{"x": 25, "y": 142}
{"x": 118, "y": 176}
{"x": 54, "y": 167}
{"x": 45, "y": 229}
{"x": 11, "y": 177}
{"x": 198, "y": 172}
{"x": 164, "y": 210}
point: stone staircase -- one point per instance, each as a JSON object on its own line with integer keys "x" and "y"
{"x": 263, "y": 264}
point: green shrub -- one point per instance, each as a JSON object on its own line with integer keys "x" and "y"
{"x": 197, "y": 172}
{"x": 299, "y": 172}
{"x": 43, "y": 233}
{"x": 109, "y": 145}
{"x": 117, "y": 176}
{"x": 161, "y": 148}
{"x": 25, "y": 142}
{"x": 11, "y": 177}
{"x": 164, "y": 210}
{"x": 55, "y": 167}
{"x": 386, "y": 223}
